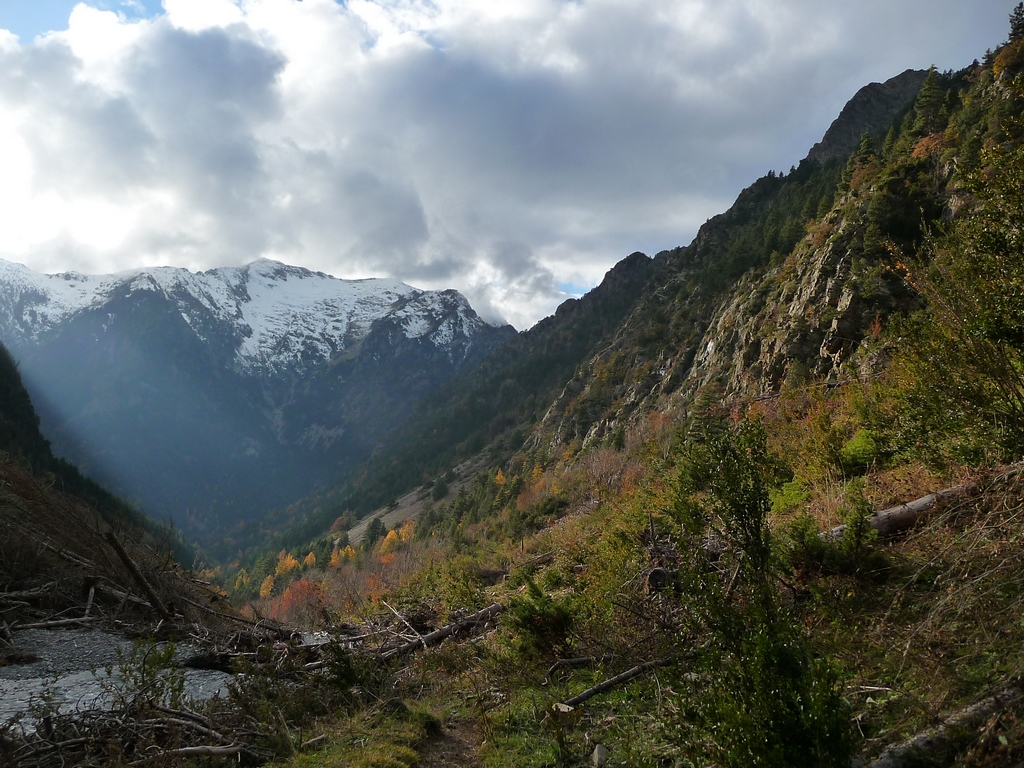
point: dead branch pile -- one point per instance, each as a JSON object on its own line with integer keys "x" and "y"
{"x": 138, "y": 734}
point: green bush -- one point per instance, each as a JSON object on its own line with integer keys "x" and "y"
{"x": 790, "y": 496}
{"x": 541, "y": 624}
{"x": 755, "y": 694}
{"x": 147, "y": 671}
{"x": 850, "y": 553}
{"x": 860, "y": 452}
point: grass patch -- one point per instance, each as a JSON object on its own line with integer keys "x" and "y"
{"x": 390, "y": 736}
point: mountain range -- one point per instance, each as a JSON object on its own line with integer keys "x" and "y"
{"x": 656, "y": 506}
{"x": 214, "y": 396}
{"x": 239, "y": 401}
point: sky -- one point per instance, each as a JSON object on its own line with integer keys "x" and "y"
{"x": 512, "y": 150}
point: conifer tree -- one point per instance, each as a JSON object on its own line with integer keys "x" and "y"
{"x": 1017, "y": 23}
{"x": 929, "y": 105}
{"x": 890, "y": 141}
{"x": 867, "y": 146}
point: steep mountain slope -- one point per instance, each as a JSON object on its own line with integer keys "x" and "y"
{"x": 215, "y": 396}
{"x": 682, "y": 554}
{"x": 673, "y": 331}
{"x": 745, "y": 309}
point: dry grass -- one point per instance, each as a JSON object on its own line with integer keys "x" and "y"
{"x": 940, "y": 626}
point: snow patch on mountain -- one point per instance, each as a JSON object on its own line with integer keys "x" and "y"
{"x": 279, "y": 316}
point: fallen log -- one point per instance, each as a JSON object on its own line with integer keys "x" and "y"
{"x": 187, "y": 714}
{"x": 121, "y": 595}
{"x": 611, "y": 682}
{"x": 902, "y": 516}
{"x": 215, "y": 612}
{"x": 582, "y": 661}
{"x": 916, "y": 750}
{"x": 55, "y": 624}
{"x": 81, "y": 562}
{"x": 204, "y": 751}
{"x": 190, "y": 724}
{"x": 435, "y": 637}
{"x": 542, "y": 559}
{"x": 27, "y": 594}
{"x": 133, "y": 569}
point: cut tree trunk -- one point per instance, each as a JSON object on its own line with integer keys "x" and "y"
{"x": 895, "y": 519}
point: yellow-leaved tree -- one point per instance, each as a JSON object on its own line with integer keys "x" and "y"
{"x": 267, "y": 586}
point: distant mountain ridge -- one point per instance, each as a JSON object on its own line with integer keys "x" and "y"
{"x": 278, "y": 317}
{"x": 217, "y": 395}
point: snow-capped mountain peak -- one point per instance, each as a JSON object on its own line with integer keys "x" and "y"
{"x": 277, "y": 316}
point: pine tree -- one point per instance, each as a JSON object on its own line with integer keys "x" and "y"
{"x": 890, "y": 142}
{"x": 930, "y": 105}
{"x": 1017, "y": 23}
{"x": 867, "y": 146}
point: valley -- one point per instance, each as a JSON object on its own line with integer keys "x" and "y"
{"x": 752, "y": 501}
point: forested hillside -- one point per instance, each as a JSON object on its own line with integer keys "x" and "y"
{"x": 213, "y": 397}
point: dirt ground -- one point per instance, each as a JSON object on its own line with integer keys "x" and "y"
{"x": 455, "y": 746}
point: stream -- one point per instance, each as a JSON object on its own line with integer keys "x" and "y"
{"x": 71, "y": 674}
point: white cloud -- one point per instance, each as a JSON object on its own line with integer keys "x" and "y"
{"x": 197, "y": 15}
{"x": 503, "y": 148}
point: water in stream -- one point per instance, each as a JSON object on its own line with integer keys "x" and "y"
{"x": 71, "y": 675}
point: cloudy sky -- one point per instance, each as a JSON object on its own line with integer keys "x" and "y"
{"x": 514, "y": 149}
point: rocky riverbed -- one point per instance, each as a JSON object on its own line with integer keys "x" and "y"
{"x": 66, "y": 670}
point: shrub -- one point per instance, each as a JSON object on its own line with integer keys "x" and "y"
{"x": 541, "y": 624}
{"x": 966, "y": 353}
{"x": 860, "y": 452}
{"x": 755, "y": 694}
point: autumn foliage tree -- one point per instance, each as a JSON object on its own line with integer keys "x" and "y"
{"x": 302, "y": 603}
{"x": 267, "y": 587}
{"x": 285, "y": 563}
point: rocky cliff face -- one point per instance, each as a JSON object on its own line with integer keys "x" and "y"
{"x": 216, "y": 396}
{"x": 811, "y": 316}
{"x": 788, "y": 283}
{"x": 872, "y": 110}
